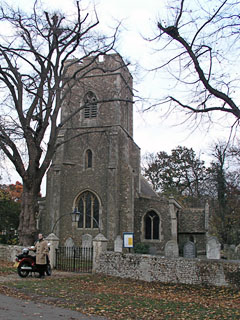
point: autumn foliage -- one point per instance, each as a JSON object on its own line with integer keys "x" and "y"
{"x": 10, "y": 205}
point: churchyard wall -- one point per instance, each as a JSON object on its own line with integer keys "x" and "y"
{"x": 170, "y": 270}
{"x": 150, "y": 268}
{"x": 8, "y": 253}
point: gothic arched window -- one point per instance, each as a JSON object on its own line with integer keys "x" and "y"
{"x": 90, "y": 109}
{"x": 151, "y": 224}
{"x": 88, "y": 206}
{"x": 88, "y": 159}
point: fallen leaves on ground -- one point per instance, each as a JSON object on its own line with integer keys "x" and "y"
{"x": 6, "y": 268}
{"x": 116, "y": 298}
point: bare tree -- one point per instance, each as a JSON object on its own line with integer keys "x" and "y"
{"x": 34, "y": 50}
{"x": 199, "y": 47}
{"x": 225, "y": 182}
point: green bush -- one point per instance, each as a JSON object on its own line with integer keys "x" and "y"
{"x": 141, "y": 248}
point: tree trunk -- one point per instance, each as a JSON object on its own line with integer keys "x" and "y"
{"x": 27, "y": 222}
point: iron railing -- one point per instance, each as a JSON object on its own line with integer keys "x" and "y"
{"x": 74, "y": 259}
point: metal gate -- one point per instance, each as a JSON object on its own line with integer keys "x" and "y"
{"x": 74, "y": 259}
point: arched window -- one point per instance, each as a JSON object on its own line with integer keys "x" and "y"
{"x": 88, "y": 159}
{"x": 90, "y": 109}
{"x": 88, "y": 206}
{"x": 151, "y": 223}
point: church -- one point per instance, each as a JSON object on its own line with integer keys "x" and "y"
{"x": 96, "y": 170}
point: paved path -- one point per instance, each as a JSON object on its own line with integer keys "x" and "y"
{"x": 15, "y": 309}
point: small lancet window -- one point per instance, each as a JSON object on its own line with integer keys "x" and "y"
{"x": 88, "y": 159}
{"x": 90, "y": 102}
{"x": 151, "y": 222}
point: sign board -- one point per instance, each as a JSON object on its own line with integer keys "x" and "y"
{"x": 128, "y": 240}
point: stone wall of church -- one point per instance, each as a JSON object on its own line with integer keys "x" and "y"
{"x": 113, "y": 177}
{"x": 161, "y": 207}
{"x": 113, "y": 89}
{"x": 191, "y": 226}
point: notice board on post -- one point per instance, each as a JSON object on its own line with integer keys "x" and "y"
{"x": 128, "y": 240}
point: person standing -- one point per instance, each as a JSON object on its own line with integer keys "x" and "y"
{"x": 41, "y": 249}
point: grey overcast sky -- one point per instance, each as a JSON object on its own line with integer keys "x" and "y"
{"x": 152, "y": 132}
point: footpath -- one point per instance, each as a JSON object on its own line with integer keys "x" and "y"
{"x": 18, "y": 309}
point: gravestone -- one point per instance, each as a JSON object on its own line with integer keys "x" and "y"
{"x": 171, "y": 249}
{"x": 189, "y": 250}
{"x": 237, "y": 252}
{"x": 69, "y": 243}
{"x": 213, "y": 248}
{"x": 118, "y": 244}
{"x": 87, "y": 243}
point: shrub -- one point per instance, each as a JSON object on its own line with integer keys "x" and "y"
{"x": 141, "y": 248}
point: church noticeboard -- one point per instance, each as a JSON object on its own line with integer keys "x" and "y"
{"x": 128, "y": 240}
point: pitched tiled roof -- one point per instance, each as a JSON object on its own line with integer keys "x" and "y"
{"x": 146, "y": 189}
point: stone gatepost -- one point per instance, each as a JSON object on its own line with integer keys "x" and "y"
{"x": 99, "y": 246}
{"x": 54, "y": 242}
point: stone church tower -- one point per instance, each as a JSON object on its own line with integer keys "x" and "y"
{"x": 96, "y": 169}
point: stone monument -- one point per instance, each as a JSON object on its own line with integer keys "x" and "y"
{"x": 213, "y": 248}
{"x": 118, "y": 244}
{"x": 171, "y": 249}
{"x": 189, "y": 250}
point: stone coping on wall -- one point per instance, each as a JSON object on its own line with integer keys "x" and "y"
{"x": 171, "y": 270}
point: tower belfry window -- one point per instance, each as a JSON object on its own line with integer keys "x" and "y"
{"x": 90, "y": 109}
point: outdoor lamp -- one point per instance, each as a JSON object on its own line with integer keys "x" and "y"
{"x": 75, "y": 215}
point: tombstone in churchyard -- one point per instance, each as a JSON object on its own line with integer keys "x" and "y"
{"x": 171, "y": 249}
{"x": 87, "y": 243}
{"x": 118, "y": 244}
{"x": 69, "y": 244}
{"x": 189, "y": 250}
{"x": 237, "y": 252}
{"x": 213, "y": 248}
{"x": 237, "y": 249}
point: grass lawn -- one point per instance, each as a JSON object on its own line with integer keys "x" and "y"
{"x": 117, "y": 298}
